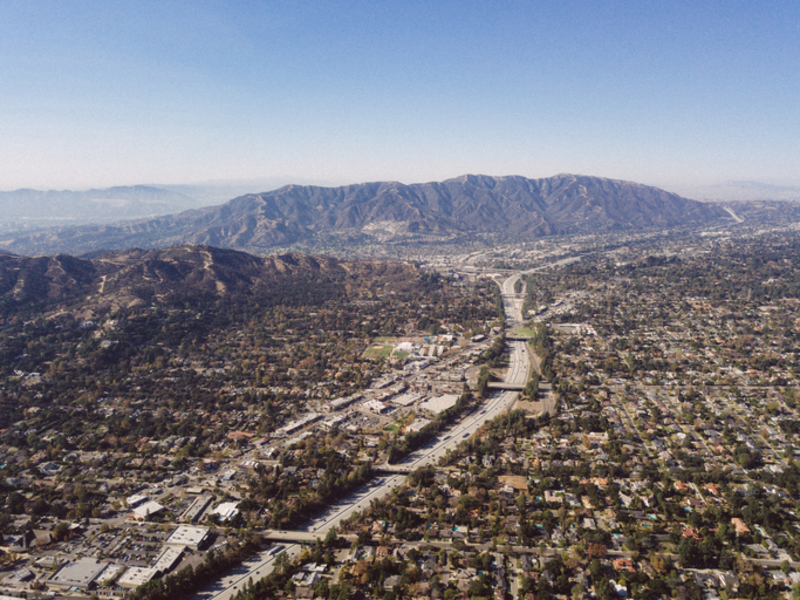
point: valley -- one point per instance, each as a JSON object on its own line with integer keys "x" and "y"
{"x": 204, "y": 423}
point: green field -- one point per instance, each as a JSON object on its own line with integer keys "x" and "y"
{"x": 400, "y": 355}
{"x": 376, "y": 352}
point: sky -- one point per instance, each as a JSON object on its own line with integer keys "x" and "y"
{"x": 669, "y": 93}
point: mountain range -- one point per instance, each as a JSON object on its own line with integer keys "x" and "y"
{"x": 509, "y": 208}
{"x": 64, "y": 284}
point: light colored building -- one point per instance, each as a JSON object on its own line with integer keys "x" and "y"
{"x": 168, "y": 559}
{"x": 190, "y": 536}
{"x": 226, "y": 510}
{"x": 79, "y": 573}
{"x": 417, "y": 424}
{"x": 196, "y": 509}
{"x": 136, "y": 576}
{"x": 376, "y": 406}
{"x": 146, "y": 510}
{"x": 110, "y": 572}
{"x": 297, "y": 424}
{"x": 135, "y": 500}
{"x": 439, "y": 403}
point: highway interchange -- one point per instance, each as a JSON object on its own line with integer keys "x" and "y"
{"x": 263, "y": 563}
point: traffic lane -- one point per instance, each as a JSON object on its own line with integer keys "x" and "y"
{"x": 229, "y": 585}
{"x": 355, "y": 501}
{"x": 428, "y": 455}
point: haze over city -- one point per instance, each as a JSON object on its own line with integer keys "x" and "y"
{"x": 674, "y": 94}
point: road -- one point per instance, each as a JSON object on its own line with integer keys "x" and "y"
{"x": 257, "y": 567}
{"x": 262, "y": 564}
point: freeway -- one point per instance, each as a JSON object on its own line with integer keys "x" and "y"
{"x": 257, "y": 567}
{"x": 519, "y": 365}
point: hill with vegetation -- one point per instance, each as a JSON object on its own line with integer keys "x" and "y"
{"x": 509, "y": 208}
{"x": 180, "y": 275}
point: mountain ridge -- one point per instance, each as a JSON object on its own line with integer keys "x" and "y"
{"x": 513, "y": 207}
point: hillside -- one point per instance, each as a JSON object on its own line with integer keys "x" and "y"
{"x": 512, "y": 208}
{"x": 180, "y": 275}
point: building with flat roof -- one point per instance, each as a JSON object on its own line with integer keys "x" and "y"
{"x": 298, "y": 424}
{"x": 417, "y": 424}
{"x": 408, "y": 398}
{"x": 340, "y": 403}
{"x": 376, "y": 406}
{"x": 439, "y": 403}
{"x": 79, "y": 574}
{"x": 168, "y": 559}
{"x": 136, "y": 576}
{"x": 136, "y": 500}
{"x": 196, "y": 509}
{"x": 189, "y": 536}
{"x": 110, "y": 572}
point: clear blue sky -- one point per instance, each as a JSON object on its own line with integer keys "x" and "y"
{"x": 667, "y": 93}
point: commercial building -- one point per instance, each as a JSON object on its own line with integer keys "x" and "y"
{"x": 146, "y": 510}
{"x": 168, "y": 559}
{"x": 136, "y": 576}
{"x": 189, "y": 536}
{"x": 79, "y": 574}
{"x": 196, "y": 509}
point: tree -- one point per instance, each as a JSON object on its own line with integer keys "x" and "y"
{"x": 331, "y": 538}
{"x": 281, "y": 562}
{"x": 597, "y": 551}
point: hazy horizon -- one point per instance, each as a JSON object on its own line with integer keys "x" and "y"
{"x": 675, "y": 95}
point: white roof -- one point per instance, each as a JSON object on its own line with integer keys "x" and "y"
{"x": 136, "y": 576}
{"x": 187, "y": 535}
{"x": 167, "y": 559}
{"x": 418, "y": 424}
{"x": 407, "y": 398}
{"x": 439, "y": 403}
{"x": 227, "y": 510}
{"x": 148, "y": 508}
{"x": 111, "y": 570}
{"x": 79, "y": 573}
{"x": 132, "y": 501}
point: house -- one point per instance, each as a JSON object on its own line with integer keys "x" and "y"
{"x": 741, "y": 527}
{"x": 624, "y": 564}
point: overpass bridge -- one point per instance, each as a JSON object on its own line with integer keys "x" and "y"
{"x": 403, "y": 470}
{"x": 303, "y": 537}
{"x": 506, "y": 386}
{"x": 384, "y": 468}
